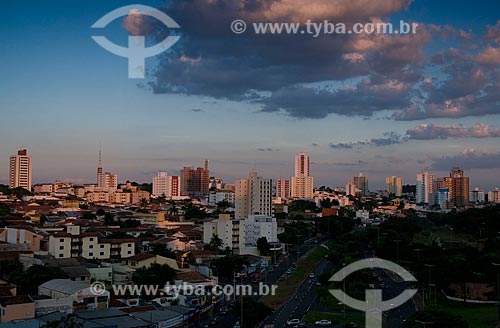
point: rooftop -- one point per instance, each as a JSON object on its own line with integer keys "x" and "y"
{"x": 64, "y": 286}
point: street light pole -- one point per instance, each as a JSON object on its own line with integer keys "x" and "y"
{"x": 298, "y": 246}
{"x": 397, "y": 241}
{"x": 418, "y": 250}
{"x": 429, "y": 266}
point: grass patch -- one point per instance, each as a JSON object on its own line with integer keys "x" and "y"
{"x": 287, "y": 288}
{"x": 445, "y": 236}
{"x": 312, "y": 317}
{"x": 476, "y": 315}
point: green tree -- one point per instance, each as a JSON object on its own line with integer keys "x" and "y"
{"x": 253, "y": 312}
{"x": 225, "y": 267}
{"x": 263, "y": 246}
{"x": 156, "y": 274}
{"x": 29, "y": 280}
{"x": 109, "y": 218}
{"x": 143, "y": 203}
{"x": 4, "y": 209}
{"x": 162, "y": 250}
{"x": 216, "y": 242}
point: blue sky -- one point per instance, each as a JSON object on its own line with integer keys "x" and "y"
{"x": 61, "y": 94}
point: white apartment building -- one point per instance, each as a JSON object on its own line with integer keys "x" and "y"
{"x": 225, "y": 228}
{"x": 215, "y": 197}
{"x": 20, "y": 170}
{"x": 253, "y": 196}
{"x": 477, "y": 196}
{"x": 160, "y": 184}
{"x": 255, "y": 227}
{"x": 425, "y": 186}
{"x": 242, "y": 235}
{"x": 302, "y": 185}
{"x": 165, "y": 185}
{"x": 73, "y": 243}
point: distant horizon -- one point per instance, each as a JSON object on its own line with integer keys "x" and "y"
{"x": 380, "y": 185}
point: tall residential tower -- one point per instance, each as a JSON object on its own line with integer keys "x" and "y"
{"x": 302, "y": 182}
{"x": 20, "y": 170}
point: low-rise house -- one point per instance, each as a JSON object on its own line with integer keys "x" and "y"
{"x": 21, "y": 235}
{"x": 81, "y": 294}
{"x": 71, "y": 267}
{"x": 18, "y": 307}
{"x": 145, "y": 260}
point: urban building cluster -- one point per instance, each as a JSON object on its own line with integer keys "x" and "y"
{"x": 108, "y": 231}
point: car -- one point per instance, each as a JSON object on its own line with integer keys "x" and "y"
{"x": 312, "y": 275}
{"x": 323, "y": 323}
{"x": 212, "y": 322}
{"x": 293, "y": 322}
{"x": 351, "y": 325}
{"x": 288, "y": 271}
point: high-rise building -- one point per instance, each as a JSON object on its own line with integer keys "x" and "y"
{"x": 160, "y": 184}
{"x": 215, "y": 184}
{"x": 350, "y": 189}
{"x": 394, "y": 185}
{"x": 283, "y": 188}
{"x": 166, "y": 185}
{"x": 459, "y": 194}
{"x": 110, "y": 180}
{"x": 477, "y": 196}
{"x": 361, "y": 183}
{"x": 425, "y": 186}
{"x": 494, "y": 196}
{"x": 175, "y": 186}
{"x": 194, "y": 182}
{"x": 20, "y": 170}
{"x": 443, "y": 183}
{"x": 302, "y": 182}
{"x": 253, "y": 196}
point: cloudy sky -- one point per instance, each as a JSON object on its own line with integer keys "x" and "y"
{"x": 380, "y": 104}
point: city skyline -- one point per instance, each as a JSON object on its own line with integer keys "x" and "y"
{"x": 110, "y": 180}
{"x": 388, "y": 112}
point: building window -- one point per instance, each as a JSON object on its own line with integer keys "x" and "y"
{"x": 91, "y": 246}
{"x": 102, "y": 246}
{"x": 61, "y": 240}
{"x": 61, "y": 247}
{"x": 61, "y": 255}
{"x": 102, "y": 253}
{"x": 91, "y": 254}
{"x": 129, "y": 245}
{"x": 91, "y": 239}
{"x": 129, "y": 252}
